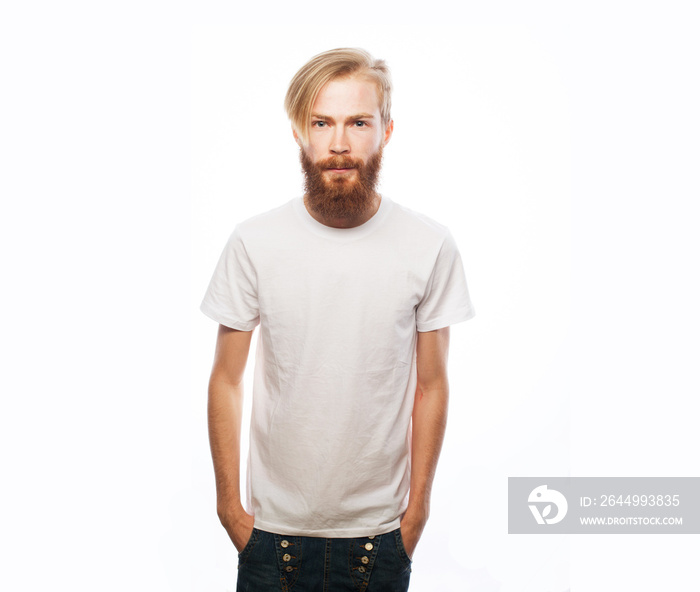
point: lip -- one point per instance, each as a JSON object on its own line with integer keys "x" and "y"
{"x": 340, "y": 170}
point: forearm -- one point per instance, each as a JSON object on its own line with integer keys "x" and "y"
{"x": 429, "y": 422}
{"x": 225, "y": 410}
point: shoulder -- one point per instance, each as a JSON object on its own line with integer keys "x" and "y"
{"x": 264, "y": 226}
{"x": 422, "y": 227}
{"x": 268, "y": 220}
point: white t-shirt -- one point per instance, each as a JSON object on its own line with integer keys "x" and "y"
{"x": 335, "y": 371}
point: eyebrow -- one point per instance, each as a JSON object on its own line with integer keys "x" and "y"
{"x": 351, "y": 118}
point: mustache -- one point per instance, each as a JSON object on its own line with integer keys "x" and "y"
{"x": 340, "y": 162}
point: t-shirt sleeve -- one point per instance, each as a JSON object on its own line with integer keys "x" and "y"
{"x": 446, "y": 300}
{"x": 232, "y": 298}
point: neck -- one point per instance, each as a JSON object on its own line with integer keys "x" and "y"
{"x": 346, "y": 221}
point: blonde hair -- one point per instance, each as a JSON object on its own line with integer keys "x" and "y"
{"x": 327, "y": 66}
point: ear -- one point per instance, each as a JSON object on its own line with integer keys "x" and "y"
{"x": 388, "y": 131}
{"x": 297, "y": 139}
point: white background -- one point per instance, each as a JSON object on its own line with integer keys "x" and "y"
{"x": 558, "y": 141}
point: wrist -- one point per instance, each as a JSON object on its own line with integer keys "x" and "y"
{"x": 419, "y": 507}
{"x": 416, "y": 514}
{"x": 230, "y": 510}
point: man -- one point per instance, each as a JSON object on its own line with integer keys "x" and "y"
{"x": 354, "y": 296}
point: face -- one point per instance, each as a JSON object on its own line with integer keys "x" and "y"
{"x": 342, "y": 157}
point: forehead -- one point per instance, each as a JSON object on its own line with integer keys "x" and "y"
{"x": 356, "y": 94}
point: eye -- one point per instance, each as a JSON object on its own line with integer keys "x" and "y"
{"x": 361, "y": 123}
{"x": 318, "y": 124}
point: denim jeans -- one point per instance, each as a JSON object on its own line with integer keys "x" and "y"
{"x": 280, "y": 563}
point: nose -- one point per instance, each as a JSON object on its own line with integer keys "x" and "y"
{"x": 339, "y": 141}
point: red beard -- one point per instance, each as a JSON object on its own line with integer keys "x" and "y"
{"x": 348, "y": 195}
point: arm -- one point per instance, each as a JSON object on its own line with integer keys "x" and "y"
{"x": 225, "y": 409}
{"x": 429, "y": 421}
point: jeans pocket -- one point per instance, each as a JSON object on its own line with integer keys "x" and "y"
{"x": 401, "y": 548}
{"x": 243, "y": 555}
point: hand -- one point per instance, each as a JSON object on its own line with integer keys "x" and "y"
{"x": 411, "y": 530}
{"x": 239, "y": 526}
